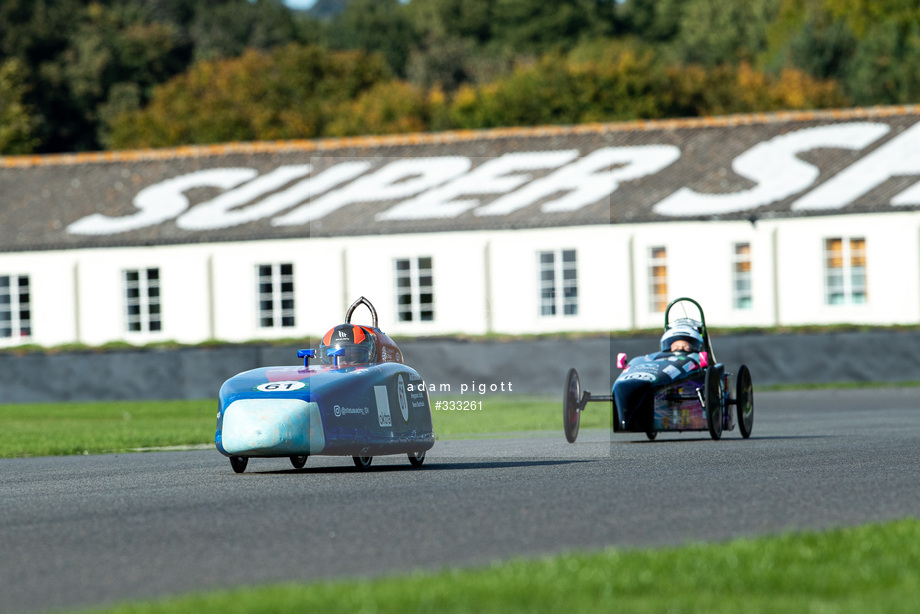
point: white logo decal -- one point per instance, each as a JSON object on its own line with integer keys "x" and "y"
{"x": 645, "y": 377}
{"x": 383, "y": 406}
{"x": 401, "y": 393}
{"x": 284, "y": 386}
{"x": 338, "y": 410}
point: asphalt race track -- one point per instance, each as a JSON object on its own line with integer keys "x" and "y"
{"x": 94, "y": 530}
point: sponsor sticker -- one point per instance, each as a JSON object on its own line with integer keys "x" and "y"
{"x": 401, "y": 393}
{"x": 283, "y": 386}
{"x": 645, "y": 377}
{"x": 672, "y": 370}
{"x": 340, "y": 410}
{"x": 383, "y": 406}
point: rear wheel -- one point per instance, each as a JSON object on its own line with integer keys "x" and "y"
{"x": 239, "y": 463}
{"x": 571, "y": 412}
{"x": 651, "y": 435}
{"x": 299, "y": 461}
{"x": 363, "y": 462}
{"x": 416, "y": 459}
{"x": 713, "y": 396}
{"x": 744, "y": 399}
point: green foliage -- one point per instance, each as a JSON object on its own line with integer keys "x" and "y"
{"x": 291, "y": 92}
{"x": 17, "y": 123}
{"x": 379, "y": 26}
{"x": 117, "y": 73}
{"x": 625, "y": 82}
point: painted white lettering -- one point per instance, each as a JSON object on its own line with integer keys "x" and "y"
{"x": 899, "y": 156}
{"x": 491, "y": 177}
{"x": 161, "y": 201}
{"x": 586, "y": 181}
{"x": 218, "y": 213}
{"x": 773, "y": 165}
{"x": 400, "y": 179}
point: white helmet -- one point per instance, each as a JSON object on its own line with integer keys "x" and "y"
{"x": 685, "y": 332}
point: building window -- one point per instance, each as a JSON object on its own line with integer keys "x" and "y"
{"x": 276, "y": 295}
{"x": 845, "y": 271}
{"x": 414, "y": 290}
{"x": 15, "y": 310}
{"x": 741, "y": 276}
{"x": 142, "y": 300}
{"x": 657, "y": 279}
{"x": 563, "y": 277}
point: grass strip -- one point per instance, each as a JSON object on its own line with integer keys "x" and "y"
{"x": 873, "y": 568}
{"x": 53, "y": 429}
{"x": 50, "y": 429}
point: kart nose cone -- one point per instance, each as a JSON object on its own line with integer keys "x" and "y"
{"x": 271, "y": 427}
{"x": 635, "y": 400}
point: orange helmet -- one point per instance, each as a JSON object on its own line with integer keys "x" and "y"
{"x": 348, "y": 345}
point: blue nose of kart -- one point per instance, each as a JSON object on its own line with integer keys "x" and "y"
{"x": 635, "y": 403}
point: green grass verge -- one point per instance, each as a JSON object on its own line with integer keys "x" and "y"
{"x": 50, "y": 429}
{"x": 874, "y": 568}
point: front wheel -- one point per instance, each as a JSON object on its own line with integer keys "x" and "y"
{"x": 299, "y": 461}
{"x": 363, "y": 462}
{"x": 416, "y": 459}
{"x": 744, "y": 399}
{"x": 571, "y": 412}
{"x": 239, "y": 463}
{"x": 651, "y": 435}
{"x": 713, "y": 395}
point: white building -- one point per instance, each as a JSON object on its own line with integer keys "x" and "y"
{"x": 792, "y": 219}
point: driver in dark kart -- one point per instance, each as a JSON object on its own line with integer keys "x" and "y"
{"x": 682, "y": 338}
{"x": 680, "y": 348}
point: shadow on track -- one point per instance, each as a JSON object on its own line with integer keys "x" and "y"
{"x": 428, "y": 466}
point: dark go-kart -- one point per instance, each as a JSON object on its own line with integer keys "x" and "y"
{"x": 671, "y": 390}
{"x": 361, "y": 402}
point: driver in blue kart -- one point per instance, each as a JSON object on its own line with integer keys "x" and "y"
{"x": 682, "y": 338}
{"x": 348, "y": 345}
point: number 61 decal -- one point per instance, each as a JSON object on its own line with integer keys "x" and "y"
{"x": 285, "y": 386}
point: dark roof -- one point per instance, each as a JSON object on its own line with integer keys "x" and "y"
{"x": 41, "y": 196}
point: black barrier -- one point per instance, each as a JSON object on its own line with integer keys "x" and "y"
{"x": 525, "y": 367}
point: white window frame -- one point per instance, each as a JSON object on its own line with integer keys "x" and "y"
{"x": 414, "y": 280}
{"x": 564, "y": 278}
{"x": 149, "y": 316}
{"x": 742, "y": 276}
{"x": 848, "y": 282}
{"x": 275, "y": 306}
{"x": 17, "y": 326}
{"x": 657, "y": 301}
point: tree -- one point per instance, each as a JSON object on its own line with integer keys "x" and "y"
{"x": 17, "y": 124}
{"x": 374, "y": 26}
{"x": 290, "y": 92}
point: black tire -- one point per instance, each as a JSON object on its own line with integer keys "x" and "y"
{"x": 299, "y": 461}
{"x": 651, "y": 435}
{"x": 239, "y": 463}
{"x": 416, "y": 459}
{"x": 363, "y": 462}
{"x": 744, "y": 400}
{"x": 713, "y": 395}
{"x": 571, "y": 412}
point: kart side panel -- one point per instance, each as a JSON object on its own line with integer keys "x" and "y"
{"x": 354, "y": 411}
